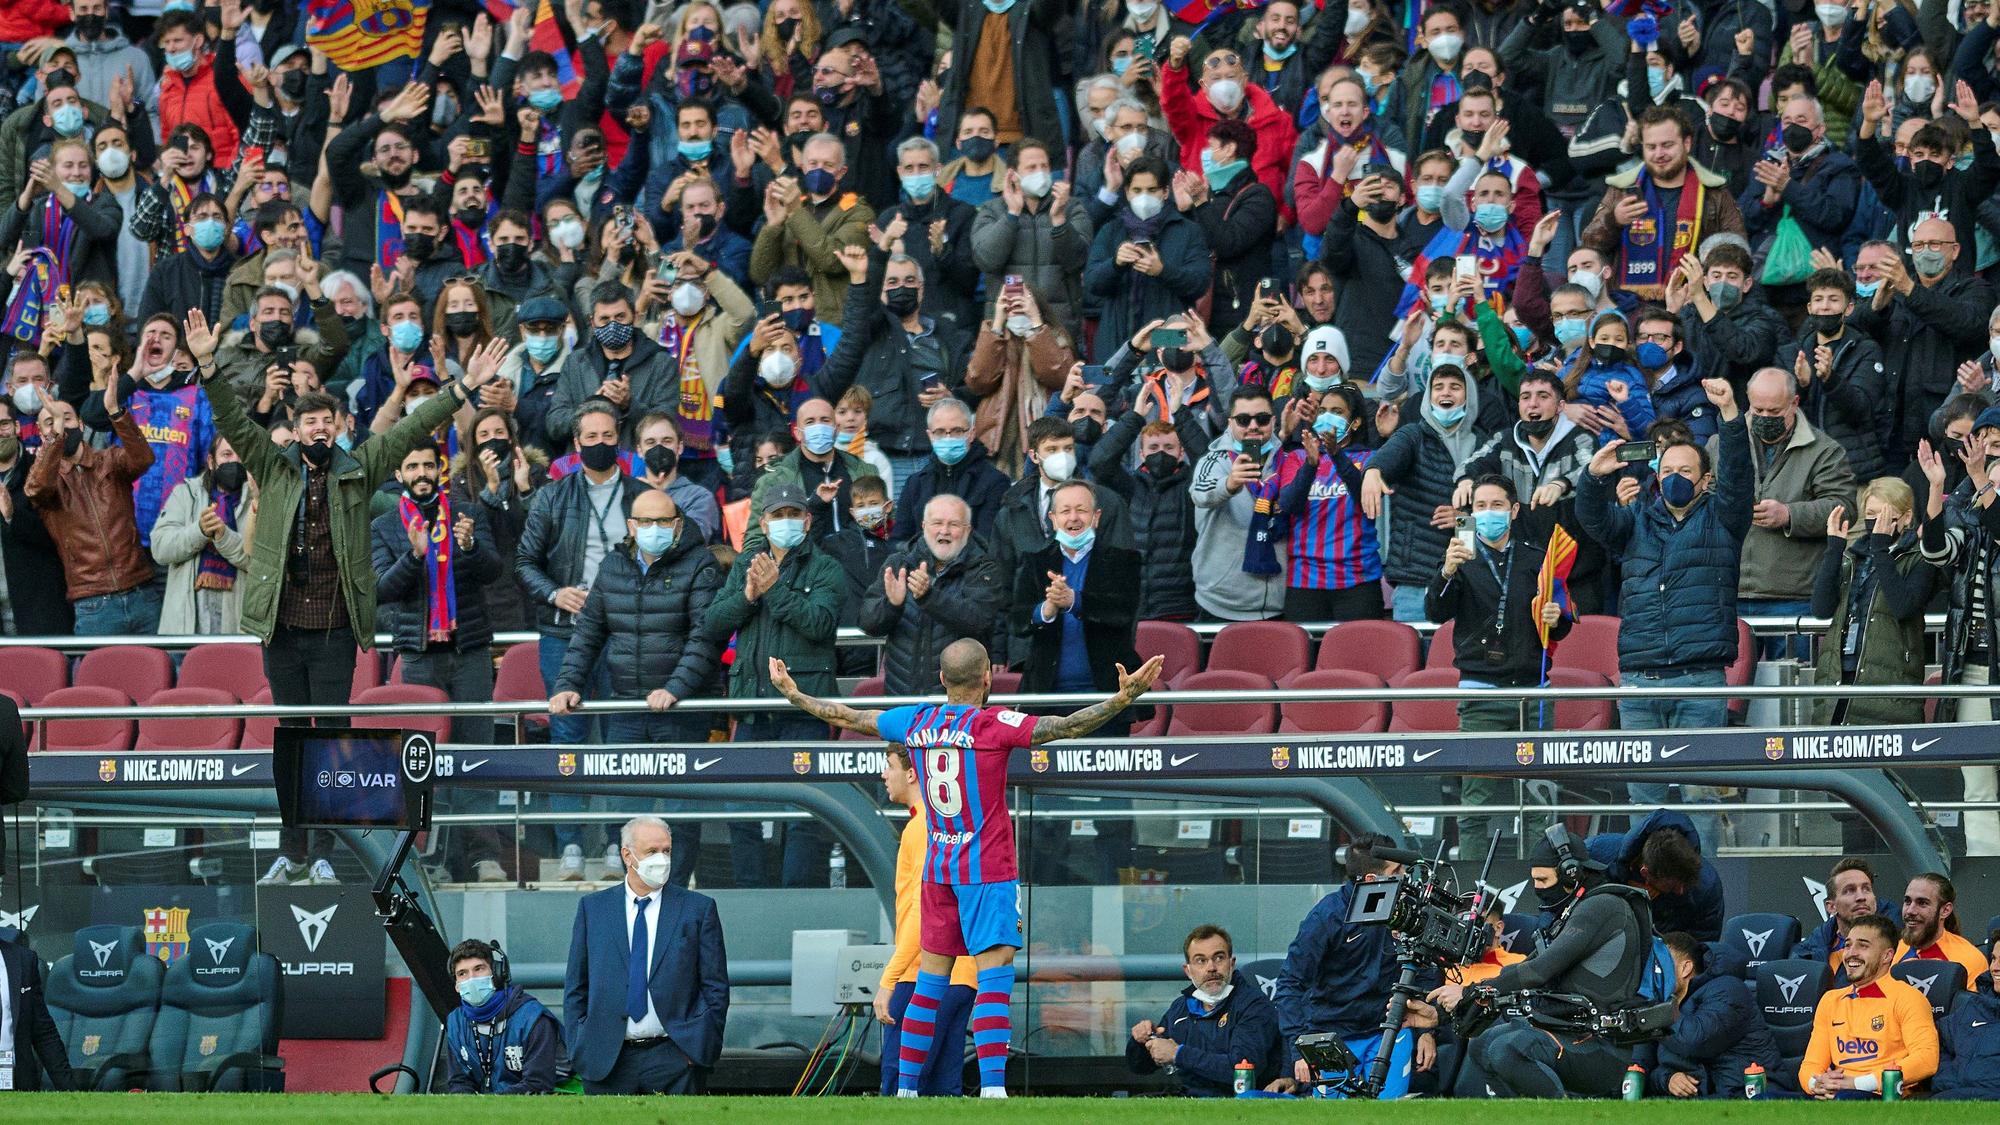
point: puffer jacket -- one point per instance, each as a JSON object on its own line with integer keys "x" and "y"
{"x": 1161, "y": 511}
{"x": 402, "y": 602}
{"x": 1423, "y": 461}
{"x": 1189, "y": 114}
{"x": 1678, "y": 601}
{"x": 1851, "y": 405}
{"x": 967, "y": 595}
{"x": 549, "y": 556}
{"x": 1239, "y": 223}
{"x": 646, "y": 622}
{"x": 1718, "y": 1032}
{"x": 795, "y": 621}
{"x": 1048, "y": 256}
{"x": 1969, "y": 1048}
{"x": 1697, "y": 911}
{"x": 973, "y": 480}
{"x": 1892, "y": 637}
{"x": 874, "y": 351}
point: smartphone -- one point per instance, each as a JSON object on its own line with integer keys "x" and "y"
{"x": 1093, "y": 374}
{"x": 1463, "y": 529}
{"x": 768, "y": 309}
{"x": 1144, "y": 46}
{"x": 930, "y": 380}
{"x": 1011, "y": 281}
{"x": 477, "y": 148}
{"x": 1635, "y": 452}
{"x": 1170, "y": 337}
{"x": 1143, "y": 243}
{"x": 1466, "y": 265}
{"x": 1269, "y": 287}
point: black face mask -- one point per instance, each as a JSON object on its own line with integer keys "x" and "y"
{"x": 1928, "y": 173}
{"x": 353, "y": 325}
{"x": 1797, "y": 138}
{"x": 976, "y": 149}
{"x": 471, "y": 216}
{"x": 1176, "y": 360}
{"x": 1552, "y": 895}
{"x": 1087, "y": 430}
{"x": 1577, "y": 42}
{"x": 1382, "y": 210}
{"x": 228, "y": 477}
{"x": 89, "y": 27}
{"x": 511, "y": 257}
{"x": 1276, "y": 341}
{"x": 1724, "y": 128}
{"x": 72, "y": 441}
{"x": 1607, "y": 353}
{"x": 1160, "y": 466}
{"x": 275, "y": 334}
{"x": 500, "y": 448}
{"x": 902, "y": 301}
{"x": 420, "y": 246}
{"x": 1768, "y": 429}
{"x": 785, "y": 30}
{"x": 1539, "y": 429}
{"x": 1472, "y": 138}
{"x": 1826, "y": 324}
{"x": 660, "y": 460}
{"x": 798, "y": 139}
{"x": 317, "y": 453}
{"x": 461, "y": 324}
{"x": 599, "y": 457}
{"x": 701, "y": 228}
{"x": 293, "y": 85}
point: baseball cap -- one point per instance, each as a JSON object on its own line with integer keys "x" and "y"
{"x": 537, "y": 310}
{"x": 279, "y": 56}
{"x": 786, "y": 496}
{"x": 1328, "y": 340}
{"x": 842, "y": 36}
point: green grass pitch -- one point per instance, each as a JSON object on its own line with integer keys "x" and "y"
{"x": 337, "y": 1109}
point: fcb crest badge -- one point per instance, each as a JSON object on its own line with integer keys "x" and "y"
{"x": 566, "y": 764}
{"x": 1774, "y": 747}
{"x": 1875, "y": 1024}
{"x": 802, "y": 761}
{"x": 209, "y": 1043}
{"x": 1524, "y": 753}
{"x": 90, "y": 1043}
{"x": 107, "y": 769}
{"x": 1281, "y": 757}
{"x": 1038, "y": 760}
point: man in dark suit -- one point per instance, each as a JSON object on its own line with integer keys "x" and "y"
{"x": 1076, "y": 601}
{"x": 647, "y": 991}
{"x": 34, "y": 1036}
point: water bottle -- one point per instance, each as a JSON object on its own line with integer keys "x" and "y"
{"x": 836, "y": 869}
{"x": 1892, "y": 1085}
{"x": 1753, "y": 1081}
{"x": 1634, "y": 1087}
{"x": 1246, "y": 1077}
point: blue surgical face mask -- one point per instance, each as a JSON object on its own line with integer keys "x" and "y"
{"x": 694, "y": 151}
{"x": 919, "y": 186}
{"x": 1656, "y": 81}
{"x": 1440, "y": 304}
{"x": 68, "y": 120}
{"x": 182, "y": 61}
{"x": 1077, "y": 540}
{"x": 1119, "y": 64}
{"x": 950, "y": 450}
{"x": 654, "y": 540}
{"x": 96, "y": 314}
{"x": 1220, "y": 176}
{"x": 725, "y": 459}
{"x": 207, "y": 234}
{"x": 543, "y": 348}
{"x": 817, "y": 438}
{"x": 1276, "y": 55}
{"x": 1330, "y": 423}
{"x": 475, "y": 990}
{"x": 1430, "y": 197}
{"x": 786, "y": 533}
{"x": 1448, "y": 417}
{"x": 546, "y": 101}
{"x": 1866, "y": 289}
{"x": 1568, "y": 332}
{"x": 1524, "y": 336}
{"x": 406, "y": 335}
{"x": 1322, "y": 383}
{"x": 1490, "y": 525}
{"x": 1491, "y": 217}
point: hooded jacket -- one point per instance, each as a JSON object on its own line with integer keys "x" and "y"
{"x": 100, "y": 61}
{"x": 1717, "y": 1033}
{"x": 1189, "y": 113}
{"x": 1242, "y": 1027}
{"x": 1890, "y": 647}
{"x": 1048, "y": 256}
{"x": 967, "y": 595}
{"x": 645, "y": 621}
{"x": 178, "y": 544}
{"x": 1423, "y": 461}
{"x": 1572, "y": 83}
{"x": 1163, "y": 523}
{"x": 1697, "y": 911}
{"x": 1222, "y": 522}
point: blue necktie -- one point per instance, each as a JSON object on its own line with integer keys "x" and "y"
{"x": 635, "y": 985}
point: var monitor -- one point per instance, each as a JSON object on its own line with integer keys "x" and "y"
{"x": 348, "y": 777}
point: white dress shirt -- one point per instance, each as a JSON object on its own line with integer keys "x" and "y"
{"x": 650, "y": 1027}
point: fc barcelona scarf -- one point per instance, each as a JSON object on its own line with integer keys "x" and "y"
{"x": 1260, "y": 541}
{"x": 1647, "y": 257}
{"x": 471, "y": 244}
{"x": 1364, "y": 140}
{"x": 389, "y": 230}
{"x": 1445, "y": 90}
{"x": 442, "y": 592}
{"x": 40, "y": 283}
{"x": 697, "y": 406}
{"x": 215, "y": 572}
{"x": 181, "y": 193}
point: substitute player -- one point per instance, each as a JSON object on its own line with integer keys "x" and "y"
{"x": 971, "y": 899}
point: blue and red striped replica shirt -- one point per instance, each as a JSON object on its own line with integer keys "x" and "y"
{"x": 960, "y": 754}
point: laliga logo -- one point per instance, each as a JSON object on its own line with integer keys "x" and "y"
{"x": 312, "y": 927}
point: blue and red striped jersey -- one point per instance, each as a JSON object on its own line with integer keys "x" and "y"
{"x": 1333, "y": 541}
{"x": 960, "y": 754}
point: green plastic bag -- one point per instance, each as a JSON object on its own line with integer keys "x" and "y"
{"x": 1789, "y": 261}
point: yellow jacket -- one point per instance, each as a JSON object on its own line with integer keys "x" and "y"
{"x": 1869, "y": 1029}
{"x": 903, "y": 962}
{"x": 1950, "y": 947}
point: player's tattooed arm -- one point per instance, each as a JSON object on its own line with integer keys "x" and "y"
{"x": 1077, "y": 724}
{"x": 838, "y": 714}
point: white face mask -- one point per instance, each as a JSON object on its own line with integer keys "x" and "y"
{"x": 1019, "y": 325}
{"x": 1225, "y": 94}
{"x": 1147, "y": 206}
{"x": 653, "y": 869}
{"x": 1131, "y": 145}
{"x": 1831, "y": 16}
{"x": 777, "y": 368}
{"x": 1994, "y": 343}
{"x": 1356, "y": 20}
{"x": 1036, "y": 184}
{"x": 1059, "y": 466}
{"x": 1590, "y": 280}
{"x": 1444, "y": 48}
{"x": 566, "y": 233}
{"x": 1141, "y": 11}
{"x": 689, "y": 298}
{"x": 114, "y": 162}
{"x": 1102, "y": 125}
{"x": 1211, "y": 999}
{"x": 1919, "y": 87}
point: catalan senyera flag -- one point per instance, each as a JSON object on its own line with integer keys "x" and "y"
{"x": 358, "y": 34}
{"x": 1552, "y": 585}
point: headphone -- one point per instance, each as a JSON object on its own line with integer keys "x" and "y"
{"x": 1569, "y": 869}
{"x": 497, "y": 958}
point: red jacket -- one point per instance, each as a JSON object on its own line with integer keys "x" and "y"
{"x": 22, "y": 20}
{"x": 1189, "y": 117}
{"x": 192, "y": 98}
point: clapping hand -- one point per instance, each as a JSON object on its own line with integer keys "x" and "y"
{"x": 759, "y": 577}
{"x": 1058, "y": 598}
{"x": 1836, "y": 522}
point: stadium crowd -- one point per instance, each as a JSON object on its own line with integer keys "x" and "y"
{"x": 683, "y": 335}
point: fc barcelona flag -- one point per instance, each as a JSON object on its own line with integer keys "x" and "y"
{"x": 358, "y": 34}
{"x": 550, "y": 34}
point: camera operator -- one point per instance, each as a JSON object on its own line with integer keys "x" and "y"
{"x": 1337, "y": 977}
{"x": 1219, "y": 1019}
{"x": 1598, "y": 949}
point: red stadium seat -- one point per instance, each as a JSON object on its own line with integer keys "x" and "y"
{"x": 395, "y": 670}
{"x": 202, "y": 732}
{"x": 872, "y": 686}
{"x": 1384, "y": 649}
{"x": 139, "y": 671}
{"x": 32, "y": 673}
{"x": 27, "y": 728}
{"x": 367, "y": 671}
{"x": 1224, "y": 718}
{"x": 1426, "y": 714}
{"x": 1582, "y": 714}
{"x": 236, "y": 669}
{"x": 1442, "y": 652}
{"x": 1744, "y": 668}
{"x": 438, "y": 725}
{"x": 257, "y": 729}
{"x": 1276, "y": 650}
{"x": 99, "y": 735}
{"x": 1360, "y": 717}
{"x": 1155, "y": 726}
{"x": 1006, "y": 683}
{"x": 1179, "y": 644}
{"x": 1592, "y": 645}
{"x": 519, "y": 680}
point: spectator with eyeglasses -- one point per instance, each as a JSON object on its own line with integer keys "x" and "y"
{"x": 1239, "y": 550}
{"x": 1929, "y": 317}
